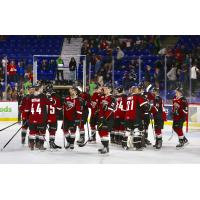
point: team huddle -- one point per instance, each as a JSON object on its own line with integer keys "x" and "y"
{"x": 117, "y": 118}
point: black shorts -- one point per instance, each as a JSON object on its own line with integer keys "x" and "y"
{"x": 53, "y": 126}
{"x": 37, "y": 127}
{"x": 118, "y": 123}
{"x": 85, "y": 116}
{"x": 94, "y": 121}
{"x": 129, "y": 124}
{"x": 158, "y": 123}
{"x": 69, "y": 125}
{"x": 106, "y": 125}
{"x": 178, "y": 124}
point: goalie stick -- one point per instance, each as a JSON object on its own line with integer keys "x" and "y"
{"x": 153, "y": 128}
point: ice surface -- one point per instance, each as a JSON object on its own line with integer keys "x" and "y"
{"x": 16, "y": 153}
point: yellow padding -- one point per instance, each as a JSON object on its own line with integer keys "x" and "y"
{"x": 8, "y": 119}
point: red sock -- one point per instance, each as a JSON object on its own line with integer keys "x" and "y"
{"x": 179, "y": 132}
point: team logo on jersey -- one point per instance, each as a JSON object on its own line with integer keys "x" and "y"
{"x": 70, "y": 104}
{"x": 104, "y": 102}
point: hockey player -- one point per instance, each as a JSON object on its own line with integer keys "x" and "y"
{"x": 37, "y": 117}
{"x": 180, "y": 112}
{"x": 136, "y": 106}
{"x": 107, "y": 105}
{"x": 146, "y": 94}
{"x": 119, "y": 115}
{"x": 72, "y": 116}
{"x": 22, "y": 106}
{"x": 94, "y": 105}
{"x": 85, "y": 102}
{"x": 159, "y": 116}
{"x": 52, "y": 111}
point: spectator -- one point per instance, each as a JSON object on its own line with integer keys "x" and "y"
{"x": 157, "y": 77}
{"x": 60, "y": 65}
{"x": 4, "y": 62}
{"x": 9, "y": 92}
{"x": 69, "y": 38}
{"x": 148, "y": 73}
{"x": 172, "y": 76}
{"x": 12, "y": 72}
{"x": 20, "y": 72}
{"x": 26, "y": 85}
{"x": 1, "y": 71}
{"x": 193, "y": 75}
{"x": 103, "y": 44}
{"x": 72, "y": 68}
{"x": 14, "y": 94}
{"x": 92, "y": 86}
{"x": 98, "y": 64}
{"x": 1, "y": 90}
{"x": 100, "y": 80}
{"x": 185, "y": 78}
{"x": 52, "y": 65}
{"x": 162, "y": 51}
{"x": 120, "y": 55}
{"x": 128, "y": 81}
{"x": 44, "y": 65}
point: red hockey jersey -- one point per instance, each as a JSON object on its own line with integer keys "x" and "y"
{"x": 36, "y": 107}
{"x": 72, "y": 108}
{"x": 94, "y": 104}
{"x": 22, "y": 106}
{"x": 180, "y": 108}
{"x": 120, "y": 107}
{"x": 134, "y": 106}
{"x": 107, "y": 106}
{"x": 157, "y": 108}
{"x": 52, "y": 109}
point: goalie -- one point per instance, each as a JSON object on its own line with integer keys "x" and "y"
{"x": 135, "y": 108}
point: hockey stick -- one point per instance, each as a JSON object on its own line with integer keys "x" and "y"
{"x": 9, "y": 126}
{"x": 12, "y": 137}
{"x": 172, "y": 134}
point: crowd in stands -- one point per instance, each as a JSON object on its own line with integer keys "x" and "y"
{"x": 17, "y": 74}
{"x": 133, "y": 58}
{"x": 131, "y": 51}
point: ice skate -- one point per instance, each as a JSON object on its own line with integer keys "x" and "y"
{"x": 81, "y": 141}
{"x": 103, "y": 150}
{"x": 185, "y": 141}
{"x": 180, "y": 145}
{"x": 158, "y": 144}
